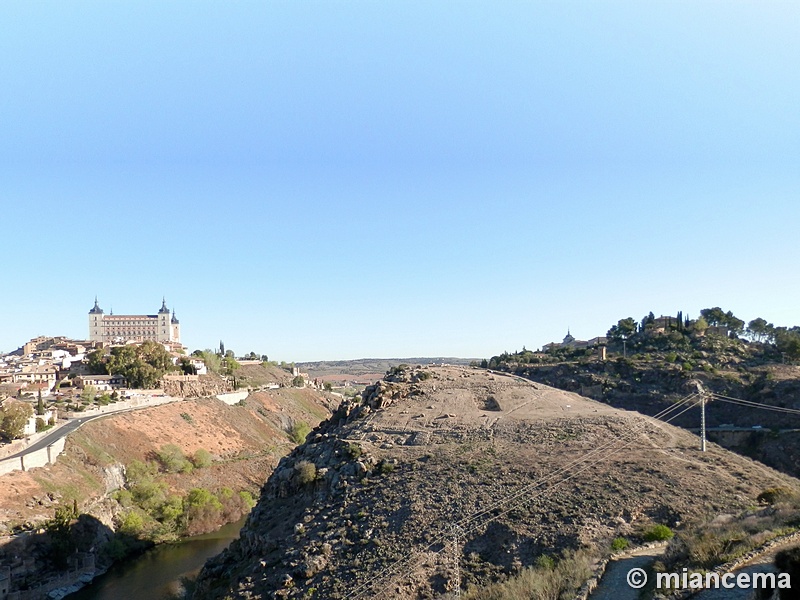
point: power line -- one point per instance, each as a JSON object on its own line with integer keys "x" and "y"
{"x": 751, "y": 404}
{"x": 359, "y": 590}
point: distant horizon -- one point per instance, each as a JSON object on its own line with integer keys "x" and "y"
{"x": 416, "y": 355}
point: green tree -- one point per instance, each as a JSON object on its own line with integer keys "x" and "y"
{"x": 298, "y": 381}
{"x": 787, "y": 341}
{"x": 698, "y": 326}
{"x": 13, "y": 417}
{"x": 299, "y": 432}
{"x": 229, "y": 364}
{"x": 186, "y": 366}
{"x": 40, "y": 404}
{"x": 89, "y": 393}
{"x": 713, "y": 316}
{"x": 96, "y": 363}
{"x": 212, "y": 360}
{"x": 733, "y": 323}
{"x": 141, "y": 365}
{"x": 760, "y": 331}
{"x": 624, "y": 329}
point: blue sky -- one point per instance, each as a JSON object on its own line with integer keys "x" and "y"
{"x": 324, "y": 180}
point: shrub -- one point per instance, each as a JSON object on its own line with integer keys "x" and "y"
{"x": 354, "y": 450}
{"x": 658, "y": 533}
{"x": 619, "y": 544}
{"x": 247, "y": 499}
{"x": 306, "y": 472}
{"x": 547, "y": 580}
{"x": 775, "y": 495}
{"x": 202, "y": 458}
{"x": 687, "y": 366}
{"x": 298, "y": 381}
{"x": 172, "y": 459}
{"x": 187, "y": 417}
{"x": 124, "y": 497}
{"x": 299, "y": 432}
{"x": 131, "y": 523}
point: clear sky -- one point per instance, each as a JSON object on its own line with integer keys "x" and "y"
{"x": 345, "y": 179}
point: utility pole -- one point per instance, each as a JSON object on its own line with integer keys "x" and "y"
{"x": 457, "y": 534}
{"x": 703, "y": 422}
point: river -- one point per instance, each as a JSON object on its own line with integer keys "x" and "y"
{"x": 156, "y": 574}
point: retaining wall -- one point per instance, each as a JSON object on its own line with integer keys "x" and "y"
{"x": 233, "y": 397}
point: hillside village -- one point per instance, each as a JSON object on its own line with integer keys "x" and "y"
{"x": 125, "y": 356}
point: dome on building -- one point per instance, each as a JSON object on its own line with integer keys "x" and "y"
{"x": 174, "y": 318}
{"x": 163, "y": 310}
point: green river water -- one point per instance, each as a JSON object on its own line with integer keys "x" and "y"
{"x": 156, "y": 574}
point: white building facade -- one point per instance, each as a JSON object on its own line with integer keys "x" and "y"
{"x": 111, "y": 328}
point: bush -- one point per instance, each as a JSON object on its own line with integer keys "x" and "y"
{"x": 298, "y": 381}
{"x": 172, "y": 459}
{"x": 775, "y": 495}
{"x": 619, "y": 544}
{"x": 549, "y": 579}
{"x": 202, "y": 458}
{"x": 131, "y": 523}
{"x": 247, "y": 499}
{"x": 306, "y": 472}
{"x": 124, "y": 497}
{"x": 299, "y": 432}
{"x": 658, "y": 533}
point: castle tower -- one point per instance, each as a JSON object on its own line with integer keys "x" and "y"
{"x": 96, "y": 323}
{"x": 175, "y": 328}
{"x": 164, "y": 327}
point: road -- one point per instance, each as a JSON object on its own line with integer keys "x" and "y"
{"x": 614, "y": 584}
{"x": 65, "y": 430}
{"x": 54, "y": 436}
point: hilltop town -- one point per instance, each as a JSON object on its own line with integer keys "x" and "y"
{"x": 125, "y": 360}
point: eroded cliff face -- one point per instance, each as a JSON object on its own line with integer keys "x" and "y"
{"x": 367, "y": 505}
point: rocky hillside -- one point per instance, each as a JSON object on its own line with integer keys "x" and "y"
{"x": 651, "y": 383}
{"x": 367, "y": 505}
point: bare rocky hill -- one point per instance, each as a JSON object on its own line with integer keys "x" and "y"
{"x": 367, "y": 506}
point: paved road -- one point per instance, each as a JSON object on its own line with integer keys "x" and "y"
{"x": 52, "y": 436}
{"x": 63, "y": 431}
{"x": 614, "y": 584}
